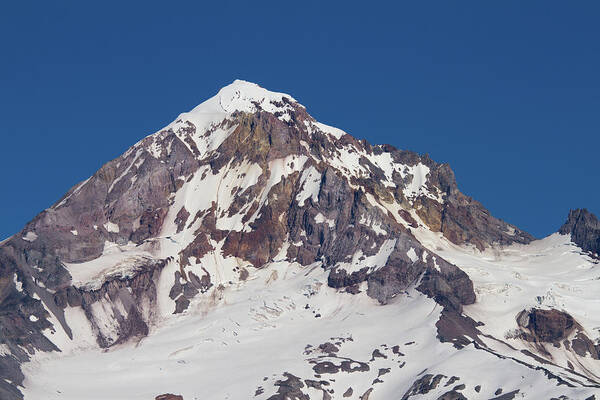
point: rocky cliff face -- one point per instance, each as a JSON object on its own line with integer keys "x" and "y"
{"x": 584, "y": 228}
{"x": 245, "y": 179}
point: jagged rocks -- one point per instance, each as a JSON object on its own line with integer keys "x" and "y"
{"x": 462, "y": 219}
{"x": 150, "y": 223}
{"x": 584, "y": 228}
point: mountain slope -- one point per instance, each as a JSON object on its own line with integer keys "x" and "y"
{"x": 246, "y": 233}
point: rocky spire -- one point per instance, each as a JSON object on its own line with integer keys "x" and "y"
{"x": 584, "y": 228}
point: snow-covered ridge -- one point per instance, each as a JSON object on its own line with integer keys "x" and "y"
{"x": 202, "y": 124}
{"x": 239, "y": 96}
{"x": 244, "y": 96}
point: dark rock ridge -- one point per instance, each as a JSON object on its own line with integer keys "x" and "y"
{"x": 462, "y": 219}
{"x": 318, "y": 198}
{"x": 584, "y": 228}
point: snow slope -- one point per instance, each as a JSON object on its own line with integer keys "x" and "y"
{"x": 245, "y": 338}
{"x": 551, "y": 273}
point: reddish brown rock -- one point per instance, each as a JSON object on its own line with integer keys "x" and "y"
{"x": 289, "y": 389}
{"x": 168, "y": 396}
{"x": 549, "y": 326}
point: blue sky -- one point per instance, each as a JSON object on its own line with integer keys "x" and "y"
{"x": 507, "y": 92}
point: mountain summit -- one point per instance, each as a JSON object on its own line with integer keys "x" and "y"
{"x": 247, "y": 250}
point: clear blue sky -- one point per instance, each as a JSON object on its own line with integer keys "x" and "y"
{"x": 506, "y": 92}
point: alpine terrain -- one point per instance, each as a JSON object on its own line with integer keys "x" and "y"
{"x": 248, "y": 251}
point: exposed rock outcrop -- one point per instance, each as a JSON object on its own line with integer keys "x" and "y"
{"x": 584, "y": 228}
{"x": 557, "y": 328}
{"x": 462, "y": 219}
{"x": 169, "y": 396}
{"x": 546, "y": 325}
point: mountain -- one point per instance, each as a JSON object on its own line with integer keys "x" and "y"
{"x": 248, "y": 251}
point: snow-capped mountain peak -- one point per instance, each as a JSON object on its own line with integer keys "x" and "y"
{"x": 246, "y": 222}
{"x": 246, "y": 96}
{"x": 239, "y": 96}
{"x": 242, "y": 96}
